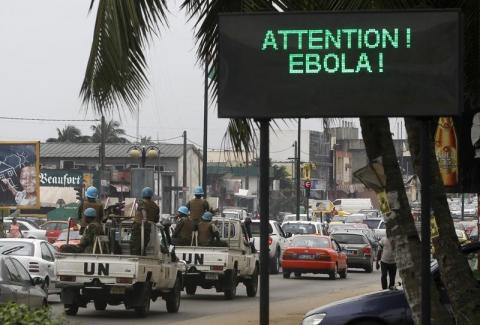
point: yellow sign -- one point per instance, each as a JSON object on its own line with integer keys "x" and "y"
{"x": 433, "y": 227}
{"x": 383, "y": 200}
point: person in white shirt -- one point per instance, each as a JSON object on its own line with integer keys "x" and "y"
{"x": 386, "y": 259}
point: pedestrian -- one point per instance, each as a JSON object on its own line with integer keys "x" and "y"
{"x": 198, "y": 206}
{"x": 15, "y": 231}
{"x": 147, "y": 212}
{"x": 92, "y": 195}
{"x": 386, "y": 259}
{"x": 182, "y": 235}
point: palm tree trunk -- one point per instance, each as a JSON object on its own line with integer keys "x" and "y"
{"x": 399, "y": 223}
{"x": 454, "y": 269}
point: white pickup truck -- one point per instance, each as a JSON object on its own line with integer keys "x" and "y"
{"x": 112, "y": 279}
{"x": 222, "y": 268}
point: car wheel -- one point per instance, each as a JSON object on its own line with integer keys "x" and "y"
{"x": 298, "y": 274}
{"x": 46, "y": 284}
{"x": 286, "y": 274}
{"x": 173, "y": 298}
{"x": 369, "y": 268}
{"x": 231, "y": 284}
{"x": 190, "y": 290}
{"x": 71, "y": 310}
{"x": 100, "y": 305}
{"x": 252, "y": 284}
{"x": 333, "y": 274}
{"x": 275, "y": 263}
{"x": 343, "y": 273}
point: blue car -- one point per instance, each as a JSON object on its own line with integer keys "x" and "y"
{"x": 379, "y": 308}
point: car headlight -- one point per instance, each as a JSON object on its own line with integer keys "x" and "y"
{"x": 314, "y": 319}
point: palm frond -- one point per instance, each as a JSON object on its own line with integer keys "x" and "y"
{"x": 116, "y": 70}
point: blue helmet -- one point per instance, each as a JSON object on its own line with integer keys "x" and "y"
{"x": 90, "y": 213}
{"x": 91, "y": 192}
{"x": 183, "y": 210}
{"x": 147, "y": 193}
{"x": 207, "y": 216}
{"x": 198, "y": 190}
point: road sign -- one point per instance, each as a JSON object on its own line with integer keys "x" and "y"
{"x": 340, "y": 64}
{"x": 307, "y": 184}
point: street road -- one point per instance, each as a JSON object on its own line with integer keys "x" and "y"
{"x": 289, "y": 300}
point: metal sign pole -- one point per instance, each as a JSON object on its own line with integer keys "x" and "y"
{"x": 426, "y": 196}
{"x": 264, "y": 214}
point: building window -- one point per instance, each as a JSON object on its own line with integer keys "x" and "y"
{"x": 66, "y": 164}
{"x": 132, "y": 166}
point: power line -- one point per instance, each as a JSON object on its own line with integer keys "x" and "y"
{"x": 44, "y": 119}
{"x": 287, "y": 148}
{"x": 153, "y": 141}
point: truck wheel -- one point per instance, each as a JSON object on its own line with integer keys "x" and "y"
{"x": 191, "y": 290}
{"x": 252, "y": 284}
{"x": 71, "y": 310}
{"x": 100, "y": 305}
{"x": 173, "y": 298}
{"x": 275, "y": 263}
{"x": 143, "y": 311}
{"x": 231, "y": 284}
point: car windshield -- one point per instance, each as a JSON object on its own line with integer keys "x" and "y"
{"x": 299, "y": 228}
{"x": 255, "y": 227}
{"x": 310, "y": 241}
{"x": 354, "y": 219}
{"x": 371, "y": 223}
{"x": 74, "y": 235}
{"x": 16, "y": 248}
{"x": 349, "y": 238}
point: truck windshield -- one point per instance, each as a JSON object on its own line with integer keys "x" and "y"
{"x": 255, "y": 226}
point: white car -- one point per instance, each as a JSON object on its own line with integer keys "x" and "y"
{"x": 303, "y": 228}
{"x": 28, "y": 229}
{"x": 293, "y": 217}
{"x": 36, "y": 255}
{"x": 381, "y": 231}
{"x": 276, "y": 241}
{"x": 235, "y": 213}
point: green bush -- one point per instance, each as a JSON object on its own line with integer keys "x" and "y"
{"x": 14, "y": 314}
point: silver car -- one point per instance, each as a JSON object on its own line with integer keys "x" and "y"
{"x": 276, "y": 242}
{"x": 17, "y": 286}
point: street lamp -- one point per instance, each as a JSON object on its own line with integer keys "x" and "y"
{"x": 144, "y": 152}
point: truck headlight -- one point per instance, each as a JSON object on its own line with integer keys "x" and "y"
{"x": 314, "y": 319}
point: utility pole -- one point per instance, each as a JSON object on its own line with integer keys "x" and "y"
{"x": 184, "y": 184}
{"x": 205, "y": 130}
{"x": 102, "y": 153}
{"x": 246, "y": 170}
{"x": 298, "y": 168}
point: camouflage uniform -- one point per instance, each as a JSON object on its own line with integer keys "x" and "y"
{"x": 207, "y": 232}
{"x": 89, "y": 204}
{"x": 152, "y": 212}
{"x": 182, "y": 234}
{"x": 3, "y": 234}
{"x": 197, "y": 207}
{"x": 92, "y": 230}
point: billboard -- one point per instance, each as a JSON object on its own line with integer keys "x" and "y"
{"x": 340, "y": 64}
{"x": 61, "y": 178}
{"x": 19, "y": 174}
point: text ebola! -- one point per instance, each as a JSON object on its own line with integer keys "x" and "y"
{"x": 323, "y": 50}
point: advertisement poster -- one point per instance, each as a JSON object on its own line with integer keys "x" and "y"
{"x": 19, "y": 174}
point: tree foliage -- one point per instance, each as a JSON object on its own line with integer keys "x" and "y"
{"x": 14, "y": 314}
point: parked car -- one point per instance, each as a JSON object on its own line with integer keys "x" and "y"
{"x": 358, "y": 248}
{"x": 276, "y": 240}
{"x": 314, "y": 254}
{"x": 29, "y": 230}
{"x": 54, "y": 228}
{"x": 303, "y": 228}
{"x": 73, "y": 239}
{"x": 17, "y": 286}
{"x": 384, "y": 307}
{"x": 36, "y": 255}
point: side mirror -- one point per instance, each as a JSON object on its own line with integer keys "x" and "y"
{"x": 288, "y": 234}
{"x": 37, "y": 281}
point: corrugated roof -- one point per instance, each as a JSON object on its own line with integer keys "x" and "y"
{"x": 112, "y": 150}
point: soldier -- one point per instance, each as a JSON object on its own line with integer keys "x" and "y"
{"x": 91, "y": 202}
{"x": 92, "y": 230}
{"x": 3, "y": 233}
{"x": 207, "y": 231}
{"x": 147, "y": 211}
{"x": 182, "y": 235}
{"x": 198, "y": 206}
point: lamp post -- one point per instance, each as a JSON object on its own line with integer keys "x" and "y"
{"x": 143, "y": 152}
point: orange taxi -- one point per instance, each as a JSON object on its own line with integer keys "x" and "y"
{"x": 314, "y": 254}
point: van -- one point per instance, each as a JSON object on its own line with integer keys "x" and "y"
{"x": 353, "y": 205}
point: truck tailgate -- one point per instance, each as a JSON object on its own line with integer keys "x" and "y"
{"x": 202, "y": 257}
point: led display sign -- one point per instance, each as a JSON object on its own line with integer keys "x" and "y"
{"x": 340, "y": 64}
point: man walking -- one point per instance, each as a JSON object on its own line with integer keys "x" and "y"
{"x": 386, "y": 259}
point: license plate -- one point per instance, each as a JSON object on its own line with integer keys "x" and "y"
{"x": 211, "y": 276}
{"x": 352, "y": 252}
{"x": 117, "y": 290}
{"x": 305, "y": 257}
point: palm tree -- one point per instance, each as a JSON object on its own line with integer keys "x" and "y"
{"x": 113, "y": 133}
{"x": 69, "y": 133}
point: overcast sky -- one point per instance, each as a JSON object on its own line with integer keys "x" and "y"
{"x": 43, "y": 54}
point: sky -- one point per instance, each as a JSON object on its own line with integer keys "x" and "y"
{"x": 43, "y": 54}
